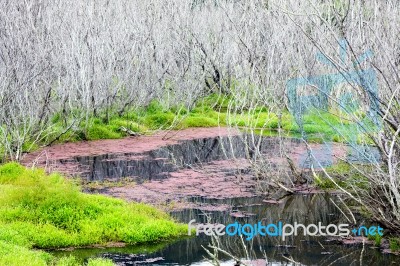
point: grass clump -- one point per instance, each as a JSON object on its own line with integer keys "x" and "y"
{"x": 15, "y": 255}
{"x": 394, "y": 244}
{"x": 209, "y": 111}
{"x": 159, "y": 120}
{"x": 49, "y": 211}
{"x": 97, "y": 131}
{"x": 11, "y": 255}
{"x": 324, "y": 183}
{"x": 350, "y": 178}
{"x": 376, "y": 238}
{"x": 218, "y": 102}
{"x": 199, "y": 121}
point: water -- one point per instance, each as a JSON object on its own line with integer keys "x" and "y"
{"x": 305, "y": 209}
{"x": 158, "y": 163}
{"x": 303, "y": 249}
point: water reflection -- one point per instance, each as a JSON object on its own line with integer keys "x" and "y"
{"x": 310, "y": 209}
{"x": 158, "y": 163}
{"x": 306, "y": 250}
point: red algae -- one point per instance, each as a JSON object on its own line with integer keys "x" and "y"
{"x": 219, "y": 179}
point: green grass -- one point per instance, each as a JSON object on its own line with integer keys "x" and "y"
{"x": 102, "y": 132}
{"x": 345, "y": 175}
{"x": 376, "y": 238}
{"x": 213, "y": 110}
{"x": 209, "y": 111}
{"x": 11, "y": 254}
{"x": 15, "y": 255}
{"x": 199, "y": 121}
{"x": 49, "y": 211}
{"x": 394, "y": 244}
{"x": 348, "y": 176}
{"x": 325, "y": 182}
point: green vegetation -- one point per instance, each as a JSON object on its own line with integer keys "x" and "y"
{"x": 15, "y": 255}
{"x": 394, "y": 244}
{"x": 345, "y": 171}
{"x": 213, "y": 110}
{"x": 49, "y": 211}
{"x": 326, "y": 183}
{"x": 376, "y": 238}
{"x": 343, "y": 174}
{"x": 11, "y": 254}
{"x": 79, "y": 255}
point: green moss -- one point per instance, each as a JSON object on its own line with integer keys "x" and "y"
{"x": 316, "y": 128}
{"x": 154, "y": 107}
{"x": 179, "y": 110}
{"x": 203, "y": 109}
{"x": 394, "y": 244}
{"x": 376, "y": 238}
{"x": 159, "y": 120}
{"x": 217, "y": 102}
{"x": 68, "y": 261}
{"x": 56, "y": 118}
{"x": 11, "y": 255}
{"x": 325, "y": 182}
{"x": 267, "y": 133}
{"x": 199, "y": 121}
{"x": 337, "y": 138}
{"x": 339, "y": 169}
{"x": 97, "y": 121}
{"x": 351, "y": 177}
{"x": 212, "y": 110}
{"x": 15, "y": 255}
{"x": 49, "y": 211}
{"x": 29, "y": 146}
{"x": 330, "y": 126}
{"x": 262, "y": 109}
{"x": 98, "y": 131}
{"x": 10, "y": 172}
{"x": 252, "y": 120}
{"x": 266, "y": 120}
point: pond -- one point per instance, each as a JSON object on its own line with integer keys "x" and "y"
{"x": 224, "y": 193}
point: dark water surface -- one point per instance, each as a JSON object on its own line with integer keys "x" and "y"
{"x": 157, "y": 163}
{"x": 305, "y": 209}
{"x": 306, "y": 250}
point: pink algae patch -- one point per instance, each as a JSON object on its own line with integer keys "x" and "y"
{"x": 220, "y": 179}
{"x": 138, "y": 144}
{"x": 210, "y": 181}
{"x": 49, "y": 157}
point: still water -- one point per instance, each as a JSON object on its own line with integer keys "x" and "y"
{"x": 305, "y": 209}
